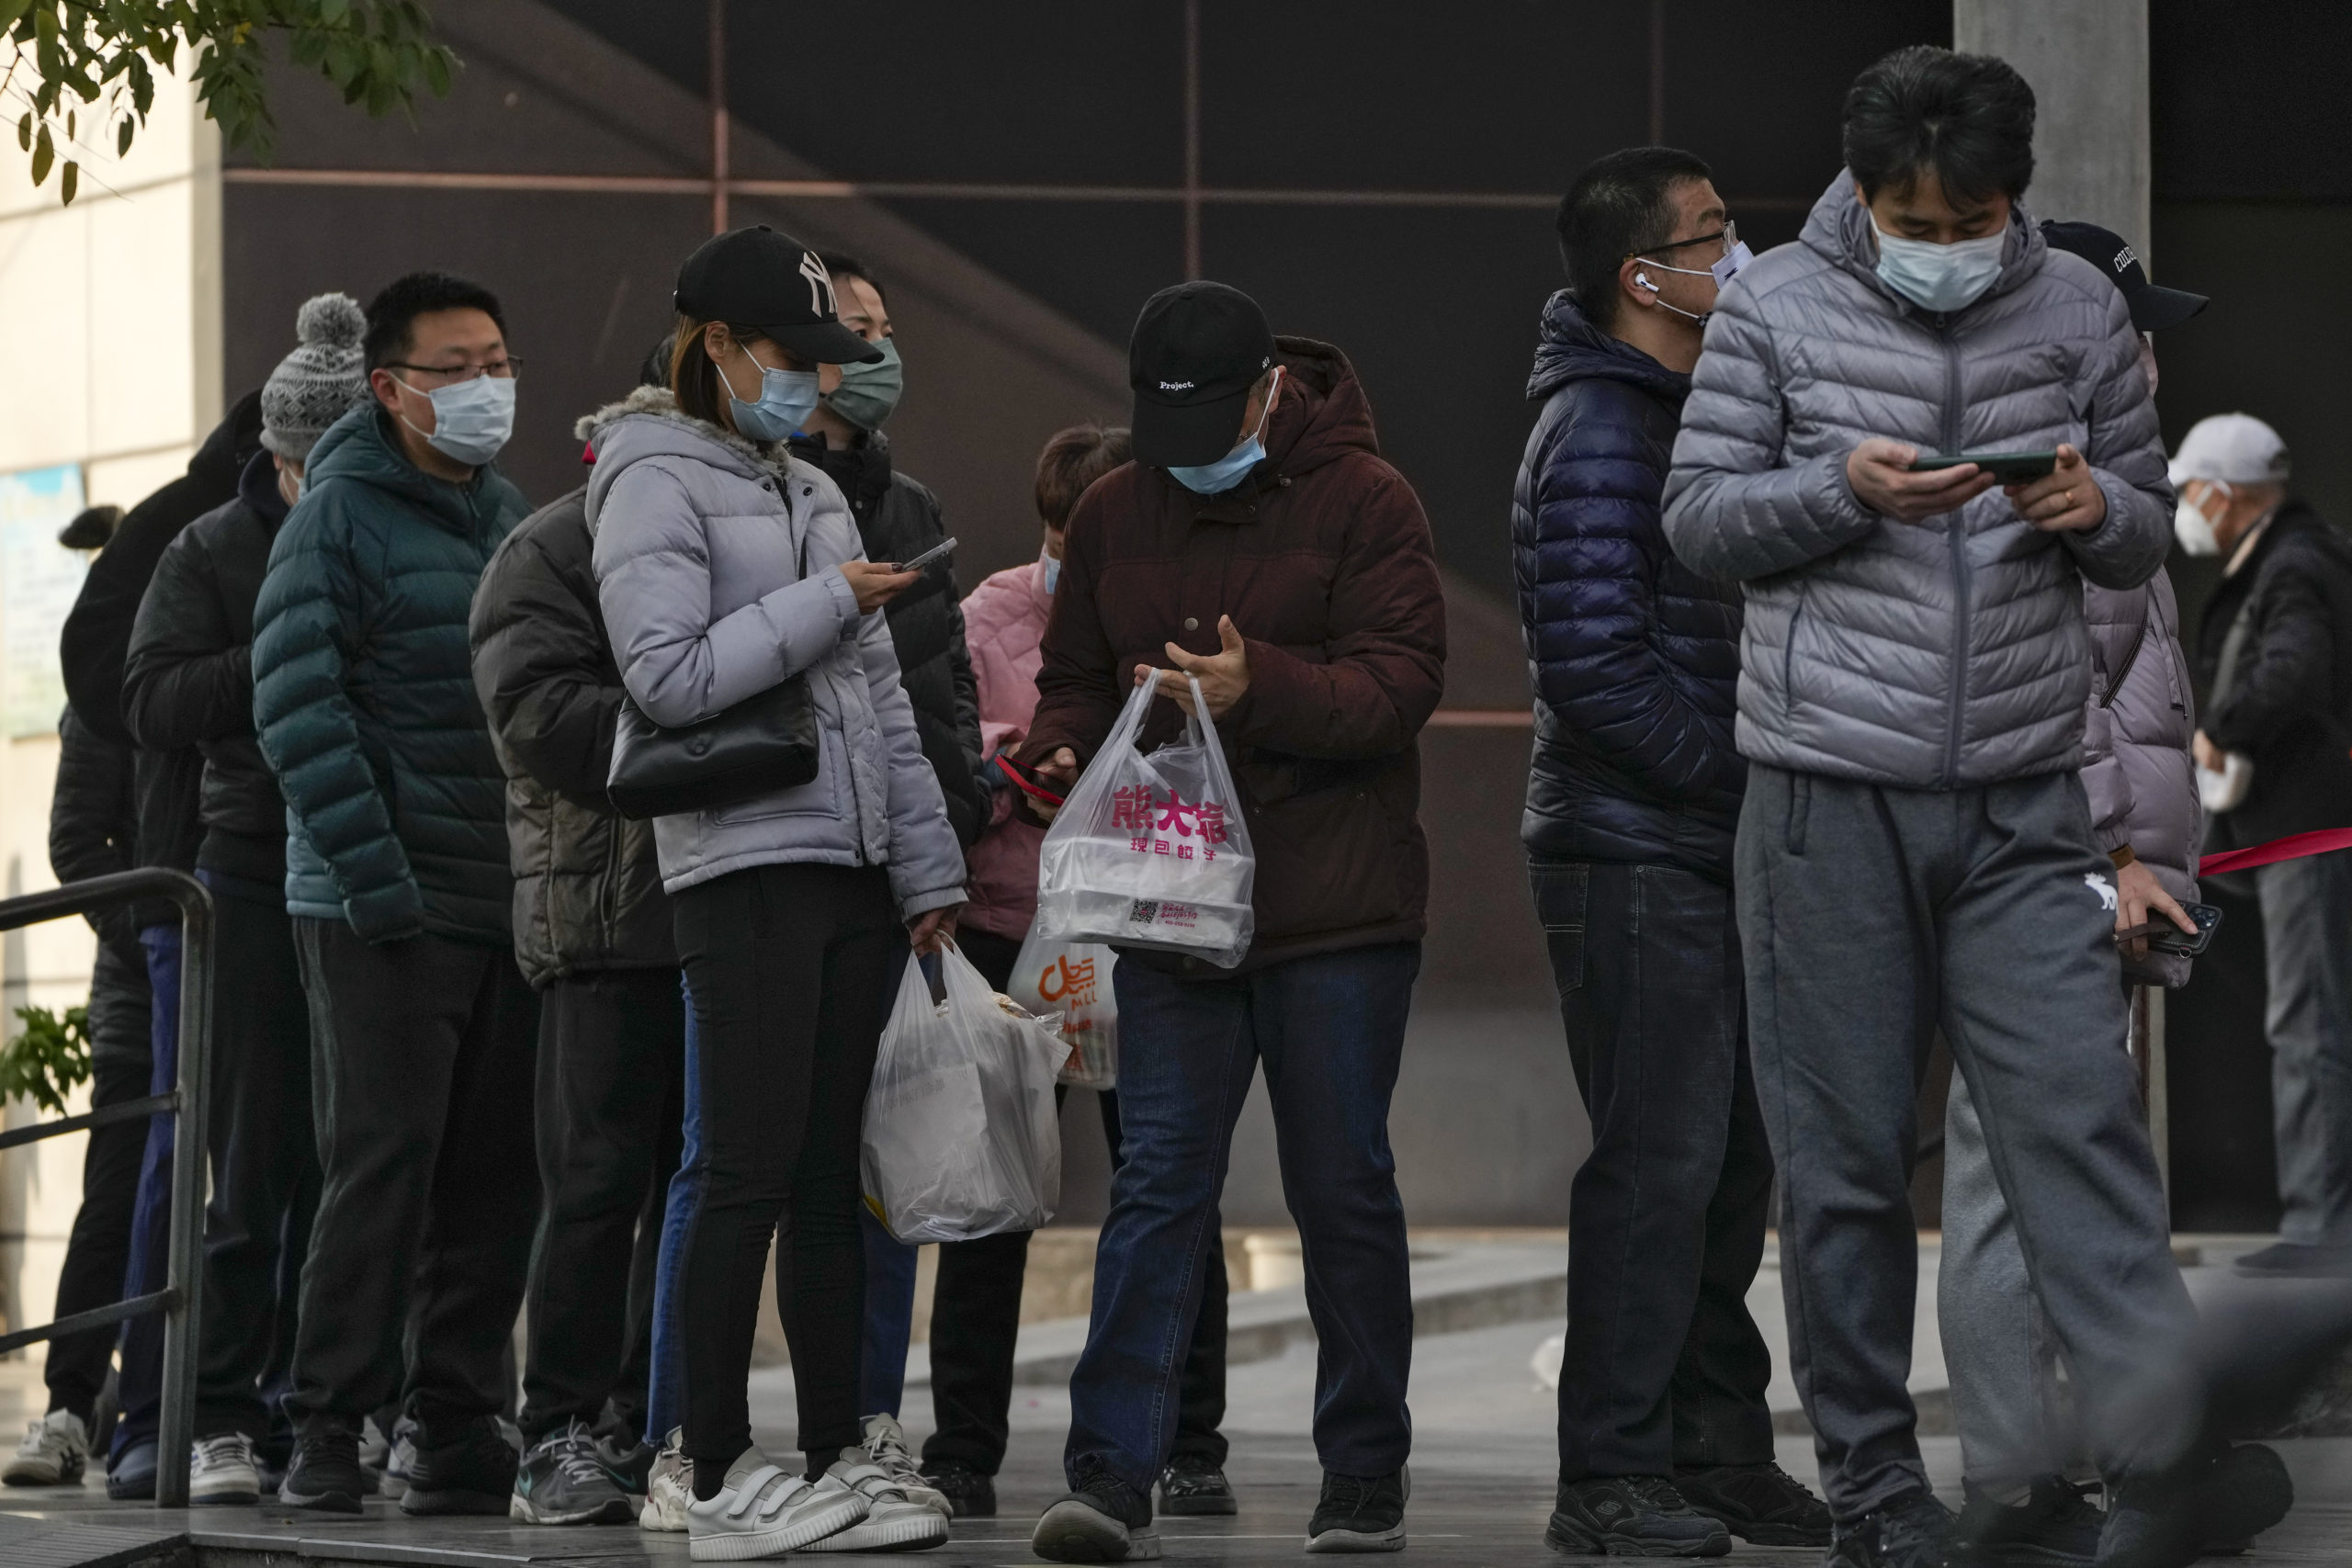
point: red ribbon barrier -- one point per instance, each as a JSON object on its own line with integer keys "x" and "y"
{"x": 2292, "y": 847}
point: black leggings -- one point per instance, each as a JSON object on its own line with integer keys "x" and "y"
{"x": 786, "y": 966}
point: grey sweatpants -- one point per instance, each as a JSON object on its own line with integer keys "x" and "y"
{"x": 1871, "y": 916}
{"x": 1998, "y": 1347}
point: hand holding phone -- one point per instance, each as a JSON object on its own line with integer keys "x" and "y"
{"x": 945, "y": 548}
{"x": 2006, "y": 468}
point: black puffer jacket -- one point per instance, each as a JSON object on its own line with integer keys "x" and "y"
{"x": 94, "y": 824}
{"x": 189, "y": 679}
{"x": 1635, "y": 658}
{"x": 2288, "y": 700}
{"x": 97, "y": 640}
{"x": 587, "y": 884}
{"x": 899, "y": 519}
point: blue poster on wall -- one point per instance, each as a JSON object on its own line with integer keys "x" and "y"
{"x": 39, "y": 581}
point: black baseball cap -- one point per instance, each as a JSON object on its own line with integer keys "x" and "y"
{"x": 758, "y": 278}
{"x": 1197, "y": 350}
{"x": 2152, "y": 309}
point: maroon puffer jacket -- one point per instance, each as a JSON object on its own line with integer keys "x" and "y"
{"x": 1322, "y": 558}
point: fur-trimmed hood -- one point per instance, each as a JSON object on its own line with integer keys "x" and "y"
{"x": 650, "y": 424}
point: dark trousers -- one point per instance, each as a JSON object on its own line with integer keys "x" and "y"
{"x": 98, "y": 1249}
{"x": 148, "y": 1268}
{"x": 975, "y": 1315}
{"x": 1330, "y": 1030}
{"x": 421, "y": 1056}
{"x": 610, "y": 1076}
{"x": 2307, "y": 937}
{"x": 265, "y": 1166}
{"x": 1663, "y": 1366}
{"x": 784, "y": 967}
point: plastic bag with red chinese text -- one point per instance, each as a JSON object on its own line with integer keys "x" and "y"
{"x": 1073, "y": 979}
{"x": 961, "y": 1139}
{"x": 1151, "y": 852}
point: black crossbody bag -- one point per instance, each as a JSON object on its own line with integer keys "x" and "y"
{"x": 764, "y": 743}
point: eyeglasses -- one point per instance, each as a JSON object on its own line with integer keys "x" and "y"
{"x": 506, "y": 369}
{"x": 1728, "y": 234}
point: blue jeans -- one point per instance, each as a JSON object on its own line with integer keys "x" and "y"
{"x": 142, "y": 1385}
{"x": 1330, "y": 1029}
{"x": 665, "y": 1385}
{"x": 889, "y": 1317}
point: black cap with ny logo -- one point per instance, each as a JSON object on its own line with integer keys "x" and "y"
{"x": 757, "y": 277}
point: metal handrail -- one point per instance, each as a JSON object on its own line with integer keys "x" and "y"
{"x": 182, "y": 1299}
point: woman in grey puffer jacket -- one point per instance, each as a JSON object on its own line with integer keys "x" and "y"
{"x": 726, "y": 566}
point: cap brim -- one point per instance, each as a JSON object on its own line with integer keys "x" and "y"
{"x": 824, "y": 342}
{"x": 1165, "y": 435}
{"x": 2154, "y": 308}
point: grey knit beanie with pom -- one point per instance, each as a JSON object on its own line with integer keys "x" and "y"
{"x": 315, "y": 385}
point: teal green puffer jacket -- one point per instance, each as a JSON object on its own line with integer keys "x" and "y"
{"x": 364, "y": 692}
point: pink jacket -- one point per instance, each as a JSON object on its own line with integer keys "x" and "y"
{"x": 1004, "y": 619}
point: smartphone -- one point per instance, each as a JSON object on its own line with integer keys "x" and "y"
{"x": 945, "y": 547}
{"x": 2009, "y": 468}
{"x": 2170, "y": 938}
{"x": 1027, "y": 782}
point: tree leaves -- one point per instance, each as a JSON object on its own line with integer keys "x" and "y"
{"x": 378, "y": 54}
{"x": 49, "y": 1059}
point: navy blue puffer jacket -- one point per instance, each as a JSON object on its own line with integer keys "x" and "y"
{"x": 1635, "y": 658}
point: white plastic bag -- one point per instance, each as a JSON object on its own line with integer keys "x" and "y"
{"x": 1073, "y": 978}
{"x": 1151, "y": 852}
{"x": 961, "y": 1139}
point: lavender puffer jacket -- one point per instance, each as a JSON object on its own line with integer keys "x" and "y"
{"x": 2135, "y": 744}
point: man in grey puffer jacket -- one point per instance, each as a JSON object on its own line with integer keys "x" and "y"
{"x": 1914, "y": 849}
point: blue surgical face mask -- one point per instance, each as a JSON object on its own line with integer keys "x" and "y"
{"x": 1940, "y": 277}
{"x": 1051, "y": 565}
{"x": 472, "y": 419}
{"x": 786, "y": 399}
{"x": 869, "y": 393}
{"x": 1216, "y": 479}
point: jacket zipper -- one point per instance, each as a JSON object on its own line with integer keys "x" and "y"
{"x": 1956, "y": 533}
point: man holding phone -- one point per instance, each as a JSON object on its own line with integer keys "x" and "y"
{"x": 1914, "y": 849}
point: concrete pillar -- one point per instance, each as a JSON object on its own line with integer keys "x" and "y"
{"x": 2087, "y": 61}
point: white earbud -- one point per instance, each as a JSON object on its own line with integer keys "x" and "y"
{"x": 1642, "y": 279}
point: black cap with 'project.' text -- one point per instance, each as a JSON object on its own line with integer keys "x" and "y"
{"x": 1197, "y": 350}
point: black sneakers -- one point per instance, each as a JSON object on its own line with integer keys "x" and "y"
{"x": 463, "y": 1467}
{"x": 970, "y": 1494}
{"x": 2216, "y": 1500}
{"x": 1192, "y": 1484}
{"x": 2055, "y": 1526}
{"x": 1912, "y": 1531}
{"x": 2293, "y": 1260}
{"x": 1631, "y": 1515}
{"x": 325, "y": 1475}
{"x": 1359, "y": 1513}
{"x": 1758, "y": 1503}
{"x": 1105, "y": 1521}
{"x": 2244, "y": 1492}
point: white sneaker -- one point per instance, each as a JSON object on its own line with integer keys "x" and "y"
{"x": 669, "y": 1488}
{"x": 885, "y": 1449}
{"x": 55, "y": 1452}
{"x": 400, "y": 1461}
{"x": 894, "y": 1522}
{"x": 763, "y": 1512}
{"x": 222, "y": 1472}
